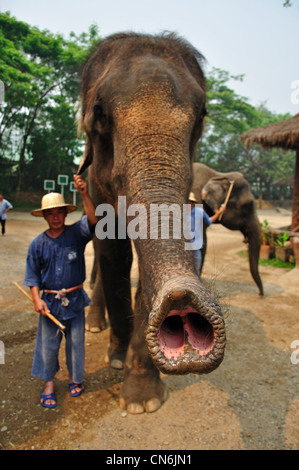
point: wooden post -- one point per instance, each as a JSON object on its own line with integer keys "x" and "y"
{"x": 295, "y": 209}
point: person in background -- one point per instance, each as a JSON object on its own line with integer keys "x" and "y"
{"x": 198, "y": 218}
{"x": 5, "y": 206}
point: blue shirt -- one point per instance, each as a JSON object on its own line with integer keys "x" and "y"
{"x": 198, "y": 218}
{"x": 57, "y": 263}
{"x": 3, "y": 206}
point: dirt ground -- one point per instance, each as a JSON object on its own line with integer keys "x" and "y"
{"x": 250, "y": 402}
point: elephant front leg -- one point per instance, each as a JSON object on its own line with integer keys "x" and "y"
{"x": 95, "y": 320}
{"x": 142, "y": 389}
{"x": 115, "y": 262}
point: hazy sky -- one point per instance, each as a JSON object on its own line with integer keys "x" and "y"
{"x": 258, "y": 38}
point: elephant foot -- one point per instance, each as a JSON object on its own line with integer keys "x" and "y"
{"x": 140, "y": 394}
{"x": 116, "y": 359}
{"x": 95, "y": 321}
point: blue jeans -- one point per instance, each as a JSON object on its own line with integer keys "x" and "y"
{"x": 45, "y": 361}
{"x": 3, "y": 221}
{"x": 198, "y": 260}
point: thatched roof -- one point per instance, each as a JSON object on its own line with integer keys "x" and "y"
{"x": 283, "y": 134}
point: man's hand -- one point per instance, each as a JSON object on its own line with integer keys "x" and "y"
{"x": 222, "y": 209}
{"x": 218, "y": 213}
{"x": 80, "y": 184}
{"x": 88, "y": 205}
{"x": 40, "y": 305}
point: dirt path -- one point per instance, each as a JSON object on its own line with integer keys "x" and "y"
{"x": 250, "y": 402}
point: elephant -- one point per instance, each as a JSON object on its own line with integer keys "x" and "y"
{"x": 210, "y": 188}
{"x": 142, "y": 112}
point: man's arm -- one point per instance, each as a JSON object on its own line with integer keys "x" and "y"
{"x": 217, "y": 214}
{"x": 88, "y": 205}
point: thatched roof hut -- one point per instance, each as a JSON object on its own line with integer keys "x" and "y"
{"x": 284, "y": 134}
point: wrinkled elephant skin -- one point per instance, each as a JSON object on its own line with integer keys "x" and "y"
{"x": 143, "y": 105}
{"x": 210, "y": 188}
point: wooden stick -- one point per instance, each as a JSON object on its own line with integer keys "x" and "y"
{"x": 57, "y": 322}
{"x": 227, "y": 196}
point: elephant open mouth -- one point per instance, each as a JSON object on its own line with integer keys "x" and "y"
{"x": 181, "y": 329}
{"x": 183, "y": 335}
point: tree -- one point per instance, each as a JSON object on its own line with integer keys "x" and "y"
{"x": 40, "y": 72}
{"x": 229, "y": 116}
{"x": 287, "y": 3}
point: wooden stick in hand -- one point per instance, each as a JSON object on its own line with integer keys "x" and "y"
{"x": 227, "y": 196}
{"x": 57, "y": 322}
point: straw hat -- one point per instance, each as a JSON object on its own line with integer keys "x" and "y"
{"x": 51, "y": 201}
{"x": 192, "y": 197}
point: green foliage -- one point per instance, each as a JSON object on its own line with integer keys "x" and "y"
{"x": 41, "y": 73}
{"x": 276, "y": 263}
{"x": 266, "y": 233}
{"x": 281, "y": 240}
{"x": 229, "y": 116}
{"x": 273, "y": 262}
{"x": 38, "y": 137}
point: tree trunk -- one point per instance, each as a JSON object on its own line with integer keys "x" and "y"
{"x": 22, "y": 165}
{"x": 31, "y": 121}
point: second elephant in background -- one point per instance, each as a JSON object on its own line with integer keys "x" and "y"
{"x": 210, "y": 188}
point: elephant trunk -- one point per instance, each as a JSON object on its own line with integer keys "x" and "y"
{"x": 185, "y": 331}
{"x": 254, "y": 238}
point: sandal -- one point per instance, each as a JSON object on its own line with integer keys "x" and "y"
{"x": 73, "y": 386}
{"x": 44, "y": 398}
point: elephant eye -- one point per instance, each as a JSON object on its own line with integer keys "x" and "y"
{"x": 204, "y": 113}
{"x": 99, "y": 114}
{"x": 102, "y": 118}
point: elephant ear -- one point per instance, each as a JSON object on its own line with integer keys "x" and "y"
{"x": 96, "y": 124}
{"x": 221, "y": 181}
{"x": 86, "y": 124}
{"x": 213, "y": 192}
{"x": 87, "y": 157}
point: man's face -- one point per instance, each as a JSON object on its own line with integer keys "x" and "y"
{"x": 55, "y": 217}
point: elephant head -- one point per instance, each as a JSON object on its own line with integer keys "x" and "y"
{"x": 211, "y": 188}
{"x": 143, "y": 105}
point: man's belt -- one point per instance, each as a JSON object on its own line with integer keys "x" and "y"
{"x": 61, "y": 294}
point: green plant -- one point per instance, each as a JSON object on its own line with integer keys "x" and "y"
{"x": 281, "y": 240}
{"x": 274, "y": 262}
{"x": 266, "y": 233}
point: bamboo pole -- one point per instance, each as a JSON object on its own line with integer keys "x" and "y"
{"x": 227, "y": 196}
{"x": 57, "y": 322}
